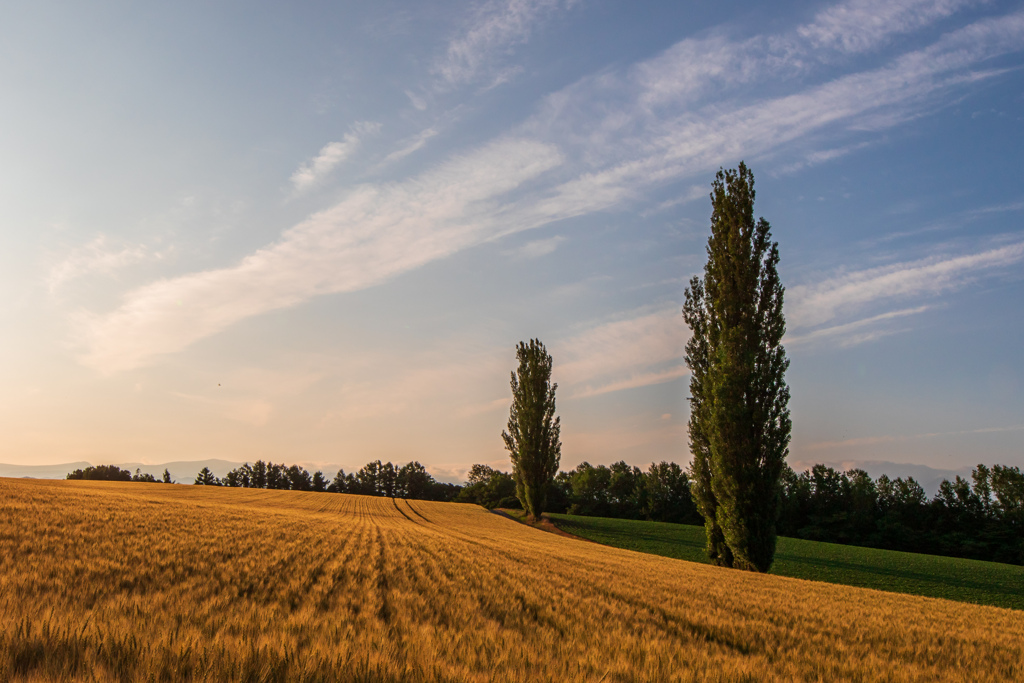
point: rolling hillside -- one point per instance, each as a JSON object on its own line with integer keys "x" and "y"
{"x": 102, "y": 581}
{"x": 953, "y": 578}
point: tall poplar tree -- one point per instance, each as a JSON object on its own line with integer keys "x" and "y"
{"x": 532, "y": 438}
{"x": 739, "y": 401}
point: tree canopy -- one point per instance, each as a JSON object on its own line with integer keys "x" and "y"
{"x": 110, "y": 473}
{"x": 532, "y": 438}
{"x": 739, "y": 415}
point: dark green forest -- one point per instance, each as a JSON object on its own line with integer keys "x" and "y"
{"x": 980, "y": 519}
{"x": 410, "y": 480}
{"x": 114, "y": 473}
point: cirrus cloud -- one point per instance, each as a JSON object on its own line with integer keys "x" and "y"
{"x": 375, "y": 233}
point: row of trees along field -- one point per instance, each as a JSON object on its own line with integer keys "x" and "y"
{"x": 115, "y": 473}
{"x": 410, "y": 480}
{"x": 979, "y": 519}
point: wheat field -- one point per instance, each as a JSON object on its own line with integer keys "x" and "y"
{"x": 147, "y": 582}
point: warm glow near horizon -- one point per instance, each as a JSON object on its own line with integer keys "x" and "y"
{"x": 316, "y": 235}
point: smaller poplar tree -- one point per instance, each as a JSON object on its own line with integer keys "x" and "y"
{"x": 532, "y": 438}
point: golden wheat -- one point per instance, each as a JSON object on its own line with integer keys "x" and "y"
{"x": 103, "y": 581}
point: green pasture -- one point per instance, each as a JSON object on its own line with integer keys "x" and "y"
{"x": 983, "y": 583}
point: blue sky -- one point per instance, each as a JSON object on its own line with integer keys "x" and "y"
{"x": 315, "y": 234}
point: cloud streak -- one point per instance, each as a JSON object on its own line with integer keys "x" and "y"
{"x": 856, "y": 332}
{"x": 330, "y": 156}
{"x": 495, "y": 29}
{"x": 538, "y": 248}
{"x": 623, "y": 354}
{"x": 96, "y": 257}
{"x": 414, "y": 144}
{"x": 375, "y": 233}
{"x": 877, "y": 440}
{"x": 643, "y": 380}
{"x": 861, "y": 25}
{"x": 819, "y": 303}
{"x": 695, "y": 68}
{"x": 649, "y": 149}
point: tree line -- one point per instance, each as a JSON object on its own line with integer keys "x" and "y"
{"x": 114, "y": 473}
{"x": 410, "y": 480}
{"x": 660, "y": 494}
{"x": 981, "y": 518}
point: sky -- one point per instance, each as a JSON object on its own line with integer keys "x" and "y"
{"x": 315, "y": 232}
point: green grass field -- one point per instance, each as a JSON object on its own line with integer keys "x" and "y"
{"x": 983, "y": 583}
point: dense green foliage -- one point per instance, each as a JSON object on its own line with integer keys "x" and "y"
{"x": 110, "y": 473}
{"x": 984, "y": 583}
{"x": 661, "y": 493}
{"x": 739, "y": 414}
{"x": 983, "y": 520}
{"x": 489, "y": 488}
{"x": 206, "y": 478}
{"x": 411, "y": 480}
{"x": 532, "y": 438}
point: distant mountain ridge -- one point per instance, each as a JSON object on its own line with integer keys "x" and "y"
{"x": 58, "y": 471}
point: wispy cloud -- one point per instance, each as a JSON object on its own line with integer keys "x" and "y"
{"x": 642, "y": 348}
{"x": 333, "y": 153}
{"x": 480, "y": 51}
{"x": 417, "y": 101}
{"x": 100, "y": 256}
{"x": 856, "y": 332}
{"x": 375, "y": 233}
{"x": 698, "y": 67}
{"x": 656, "y": 150}
{"x": 485, "y": 407}
{"x": 1009, "y": 207}
{"x": 643, "y": 380}
{"x": 821, "y": 302}
{"x": 898, "y": 438}
{"x": 538, "y": 248}
{"x": 860, "y": 25}
{"x": 822, "y": 156}
{"x": 623, "y": 354}
{"x": 694, "y": 193}
{"x": 411, "y": 145}
{"x": 947, "y": 223}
